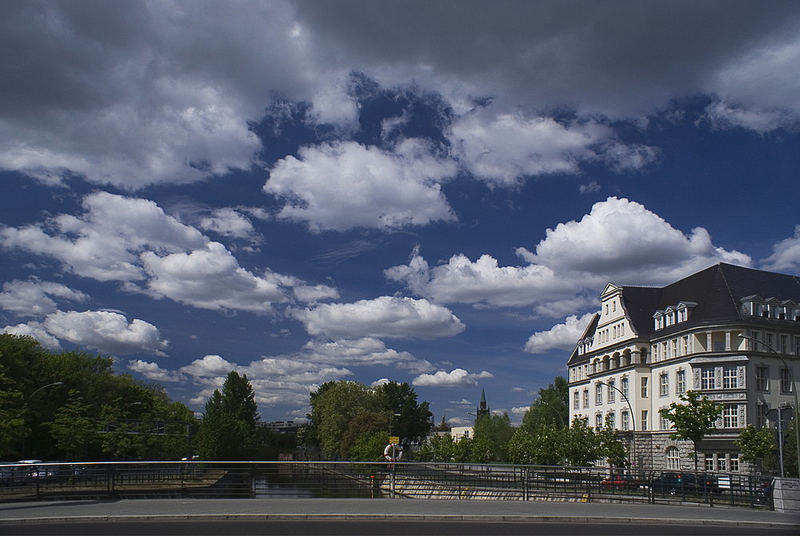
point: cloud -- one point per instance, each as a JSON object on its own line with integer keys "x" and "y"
{"x": 619, "y": 240}
{"x": 455, "y": 378}
{"x": 344, "y": 185}
{"x": 364, "y": 351}
{"x": 561, "y": 336}
{"x": 211, "y": 278}
{"x": 152, "y": 371}
{"x": 229, "y": 223}
{"x": 785, "y": 254}
{"x": 37, "y": 331}
{"x": 390, "y": 317}
{"x": 34, "y": 297}
{"x": 592, "y": 187}
{"x": 106, "y": 332}
{"x": 104, "y": 242}
{"x": 520, "y": 410}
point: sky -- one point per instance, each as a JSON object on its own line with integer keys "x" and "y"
{"x": 423, "y": 192}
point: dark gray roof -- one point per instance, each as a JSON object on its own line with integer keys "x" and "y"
{"x": 717, "y": 291}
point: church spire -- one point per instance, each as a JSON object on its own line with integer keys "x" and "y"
{"x": 483, "y": 409}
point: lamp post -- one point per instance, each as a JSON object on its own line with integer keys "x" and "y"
{"x": 25, "y": 407}
{"x": 791, "y": 386}
{"x": 633, "y": 420}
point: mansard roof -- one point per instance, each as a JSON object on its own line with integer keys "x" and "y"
{"x": 717, "y": 291}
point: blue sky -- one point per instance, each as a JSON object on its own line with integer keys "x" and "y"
{"x": 425, "y": 192}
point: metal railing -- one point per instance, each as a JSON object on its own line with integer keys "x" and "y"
{"x": 222, "y": 479}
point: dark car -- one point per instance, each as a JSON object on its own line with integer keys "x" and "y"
{"x": 681, "y": 483}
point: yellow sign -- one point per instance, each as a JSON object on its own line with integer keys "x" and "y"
{"x": 394, "y": 440}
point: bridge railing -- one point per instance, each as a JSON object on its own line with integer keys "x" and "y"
{"x": 246, "y": 479}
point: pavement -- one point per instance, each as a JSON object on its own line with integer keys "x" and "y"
{"x": 399, "y": 509}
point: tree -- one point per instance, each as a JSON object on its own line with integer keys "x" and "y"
{"x": 491, "y": 436}
{"x": 693, "y": 419}
{"x": 581, "y": 444}
{"x": 73, "y": 428}
{"x": 550, "y": 408}
{"x": 611, "y": 448}
{"x": 757, "y": 445}
{"x": 228, "y": 429}
{"x": 544, "y": 448}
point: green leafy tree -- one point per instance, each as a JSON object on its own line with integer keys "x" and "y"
{"x": 582, "y": 446}
{"x": 546, "y": 447}
{"x": 228, "y": 429}
{"x": 13, "y": 429}
{"x": 611, "y": 447}
{"x": 550, "y": 408}
{"x": 491, "y": 436}
{"x": 411, "y": 420}
{"x": 437, "y": 448}
{"x": 73, "y": 428}
{"x": 790, "y": 450}
{"x": 693, "y": 419}
{"x": 757, "y": 446}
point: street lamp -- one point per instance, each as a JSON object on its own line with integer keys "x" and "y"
{"x": 25, "y": 407}
{"x": 633, "y": 420}
{"x": 793, "y": 388}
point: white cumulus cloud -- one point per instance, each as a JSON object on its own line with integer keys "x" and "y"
{"x": 37, "y": 331}
{"x": 561, "y": 336}
{"x": 455, "y": 378}
{"x": 106, "y": 332}
{"x": 34, "y": 297}
{"x": 385, "y": 316}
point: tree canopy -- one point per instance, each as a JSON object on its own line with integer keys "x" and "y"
{"x": 73, "y": 406}
{"x": 352, "y": 421}
{"x": 693, "y": 419}
{"x": 551, "y": 407}
{"x": 228, "y": 430}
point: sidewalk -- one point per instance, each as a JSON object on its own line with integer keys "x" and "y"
{"x": 296, "y": 509}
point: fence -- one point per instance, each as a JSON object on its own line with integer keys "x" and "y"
{"x": 373, "y": 480}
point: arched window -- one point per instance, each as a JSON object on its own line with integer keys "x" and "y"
{"x": 673, "y": 460}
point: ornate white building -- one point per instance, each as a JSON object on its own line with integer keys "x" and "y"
{"x": 647, "y": 346}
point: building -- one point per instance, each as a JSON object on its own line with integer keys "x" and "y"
{"x": 648, "y": 346}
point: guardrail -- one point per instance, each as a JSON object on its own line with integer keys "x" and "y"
{"x": 228, "y": 479}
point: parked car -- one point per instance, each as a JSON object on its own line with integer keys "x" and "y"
{"x": 679, "y": 482}
{"x": 621, "y": 481}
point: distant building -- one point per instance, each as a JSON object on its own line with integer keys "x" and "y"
{"x": 462, "y": 432}
{"x": 282, "y": 427}
{"x": 654, "y": 344}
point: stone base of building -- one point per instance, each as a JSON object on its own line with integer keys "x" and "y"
{"x": 658, "y": 452}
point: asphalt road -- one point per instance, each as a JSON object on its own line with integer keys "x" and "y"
{"x": 378, "y": 528}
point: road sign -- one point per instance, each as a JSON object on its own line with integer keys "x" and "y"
{"x": 394, "y": 440}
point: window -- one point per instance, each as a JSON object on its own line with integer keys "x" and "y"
{"x": 730, "y": 378}
{"x": 624, "y": 385}
{"x": 783, "y": 344}
{"x": 576, "y": 399}
{"x": 721, "y": 465}
{"x": 598, "y": 394}
{"x": 709, "y": 462}
{"x": 707, "y": 378}
{"x": 754, "y": 344}
{"x": 786, "y": 380}
{"x": 734, "y": 463}
{"x": 626, "y": 420}
{"x": 611, "y": 391}
{"x": 685, "y": 345}
{"x": 644, "y": 419}
{"x": 644, "y": 387}
{"x": 797, "y": 345}
{"x": 673, "y": 459}
{"x": 769, "y": 340}
{"x": 762, "y": 378}
{"x": 598, "y": 421}
{"x": 730, "y": 416}
{"x": 586, "y": 398}
{"x": 663, "y": 384}
{"x": 674, "y": 348}
{"x": 611, "y": 419}
{"x": 680, "y": 382}
{"x": 666, "y": 424}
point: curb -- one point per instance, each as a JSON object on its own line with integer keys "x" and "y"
{"x": 397, "y": 517}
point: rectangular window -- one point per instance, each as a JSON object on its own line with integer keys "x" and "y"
{"x": 730, "y": 416}
{"x": 762, "y": 378}
{"x": 721, "y": 465}
{"x": 664, "y": 351}
{"x": 674, "y": 348}
{"x": 644, "y": 387}
{"x": 680, "y": 382}
{"x": 734, "y": 463}
{"x": 576, "y": 399}
{"x": 612, "y": 393}
{"x": 586, "y": 398}
{"x": 644, "y": 419}
{"x": 624, "y": 387}
{"x": 685, "y": 345}
{"x": 786, "y": 380}
{"x": 611, "y": 419}
{"x": 769, "y": 340}
{"x": 755, "y": 343}
{"x": 797, "y": 346}
{"x": 783, "y": 344}
{"x": 626, "y": 421}
{"x": 598, "y": 421}
{"x": 709, "y": 462}
{"x": 663, "y": 384}
{"x": 707, "y": 378}
{"x": 666, "y": 424}
{"x": 598, "y": 394}
{"x": 730, "y": 378}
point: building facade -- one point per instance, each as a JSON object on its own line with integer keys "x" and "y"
{"x": 716, "y": 332}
